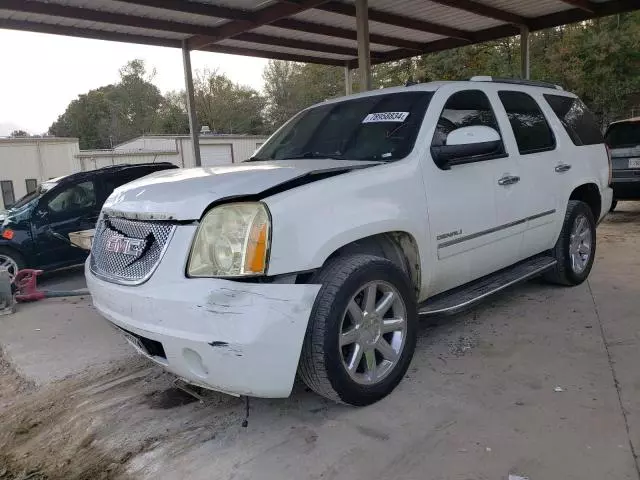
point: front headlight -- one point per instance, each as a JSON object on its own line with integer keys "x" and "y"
{"x": 232, "y": 241}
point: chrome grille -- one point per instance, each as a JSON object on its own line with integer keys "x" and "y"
{"x": 133, "y": 267}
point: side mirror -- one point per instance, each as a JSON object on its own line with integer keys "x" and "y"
{"x": 467, "y": 145}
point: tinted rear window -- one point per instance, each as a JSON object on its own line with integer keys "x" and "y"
{"x": 529, "y": 125}
{"x": 577, "y": 119}
{"x": 623, "y": 135}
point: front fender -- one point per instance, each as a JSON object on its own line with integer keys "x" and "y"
{"x": 313, "y": 221}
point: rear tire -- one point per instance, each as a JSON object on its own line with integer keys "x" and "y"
{"x": 362, "y": 330}
{"x": 576, "y": 247}
{"x": 614, "y": 204}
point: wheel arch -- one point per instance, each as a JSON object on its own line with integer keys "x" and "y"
{"x": 400, "y": 247}
{"x": 589, "y": 193}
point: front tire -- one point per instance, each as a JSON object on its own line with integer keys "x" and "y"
{"x": 11, "y": 260}
{"x": 575, "y": 249}
{"x": 362, "y": 331}
{"x": 614, "y": 204}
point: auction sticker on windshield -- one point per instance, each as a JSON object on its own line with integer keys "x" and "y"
{"x": 386, "y": 117}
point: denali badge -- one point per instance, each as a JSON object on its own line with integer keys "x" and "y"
{"x": 124, "y": 245}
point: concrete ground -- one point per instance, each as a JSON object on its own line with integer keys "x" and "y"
{"x": 540, "y": 382}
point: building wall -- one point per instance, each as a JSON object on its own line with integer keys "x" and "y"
{"x": 45, "y": 158}
{"x": 174, "y": 149}
{"x": 35, "y": 158}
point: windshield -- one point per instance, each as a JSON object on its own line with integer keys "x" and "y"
{"x": 29, "y": 197}
{"x": 379, "y": 127}
{"x": 625, "y": 134}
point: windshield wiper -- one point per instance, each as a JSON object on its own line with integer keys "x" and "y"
{"x": 315, "y": 155}
{"x": 257, "y": 159}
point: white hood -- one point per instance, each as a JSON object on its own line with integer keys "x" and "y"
{"x": 184, "y": 194}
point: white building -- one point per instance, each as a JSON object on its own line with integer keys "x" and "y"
{"x": 26, "y": 162}
{"x": 214, "y": 150}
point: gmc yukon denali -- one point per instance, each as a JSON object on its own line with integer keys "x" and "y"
{"x": 358, "y": 216}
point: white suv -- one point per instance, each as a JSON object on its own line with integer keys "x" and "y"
{"x": 356, "y": 217}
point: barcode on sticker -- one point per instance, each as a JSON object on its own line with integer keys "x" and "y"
{"x": 386, "y": 117}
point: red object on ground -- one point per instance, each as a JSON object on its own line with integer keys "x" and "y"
{"x": 26, "y": 284}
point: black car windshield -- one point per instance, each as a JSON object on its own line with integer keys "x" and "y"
{"x": 377, "y": 127}
{"x": 29, "y": 197}
{"x": 625, "y": 134}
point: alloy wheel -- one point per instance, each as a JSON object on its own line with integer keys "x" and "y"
{"x": 373, "y": 332}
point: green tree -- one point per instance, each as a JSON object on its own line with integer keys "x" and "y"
{"x": 115, "y": 113}
{"x": 19, "y": 133}
{"x": 226, "y": 107}
{"x": 291, "y": 87}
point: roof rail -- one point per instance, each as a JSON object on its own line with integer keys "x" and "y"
{"x": 515, "y": 81}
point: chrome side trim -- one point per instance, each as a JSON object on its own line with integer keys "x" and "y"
{"x": 455, "y": 241}
{"x": 461, "y": 306}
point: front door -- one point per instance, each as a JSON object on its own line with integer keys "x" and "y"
{"x": 462, "y": 199}
{"x": 69, "y": 208}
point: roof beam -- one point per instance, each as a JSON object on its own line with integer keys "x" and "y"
{"x": 286, "y": 23}
{"x": 29, "y": 6}
{"x": 585, "y": 5}
{"x": 199, "y": 8}
{"x": 484, "y": 10}
{"x": 90, "y": 33}
{"x": 290, "y": 57}
{"x": 264, "y": 16}
{"x": 24, "y": 25}
{"x": 337, "y": 32}
{"x": 301, "y": 44}
{"x": 77, "y": 13}
{"x": 397, "y": 20}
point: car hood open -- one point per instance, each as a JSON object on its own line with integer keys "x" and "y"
{"x": 184, "y": 194}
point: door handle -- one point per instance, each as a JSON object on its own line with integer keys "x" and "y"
{"x": 563, "y": 167}
{"x": 508, "y": 180}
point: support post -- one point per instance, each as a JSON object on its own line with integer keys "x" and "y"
{"x": 191, "y": 104}
{"x": 364, "y": 55}
{"x": 348, "y": 81}
{"x": 525, "y": 67}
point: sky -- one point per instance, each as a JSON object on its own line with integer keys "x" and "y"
{"x": 42, "y": 73}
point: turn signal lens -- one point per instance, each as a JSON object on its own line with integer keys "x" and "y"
{"x": 8, "y": 234}
{"x": 256, "y": 256}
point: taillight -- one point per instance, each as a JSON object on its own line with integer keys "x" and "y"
{"x": 610, "y": 165}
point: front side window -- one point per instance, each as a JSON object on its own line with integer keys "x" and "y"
{"x": 72, "y": 200}
{"x": 576, "y": 118}
{"x": 378, "y": 127}
{"x": 8, "y": 197}
{"x": 468, "y": 108}
{"x": 533, "y": 133}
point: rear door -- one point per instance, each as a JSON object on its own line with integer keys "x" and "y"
{"x": 533, "y": 203}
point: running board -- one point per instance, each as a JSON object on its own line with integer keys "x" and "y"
{"x": 467, "y": 295}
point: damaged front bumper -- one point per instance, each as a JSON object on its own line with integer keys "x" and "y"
{"x": 238, "y": 338}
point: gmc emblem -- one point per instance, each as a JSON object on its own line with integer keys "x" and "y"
{"x": 124, "y": 245}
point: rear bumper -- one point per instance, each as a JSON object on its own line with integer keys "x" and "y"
{"x": 626, "y": 188}
{"x": 238, "y": 338}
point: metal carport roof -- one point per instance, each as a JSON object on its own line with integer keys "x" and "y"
{"x": 304, "y": 30}
{"x": 350, "y": 33}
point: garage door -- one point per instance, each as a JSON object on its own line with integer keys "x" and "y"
{"x": 215, "y": 155}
